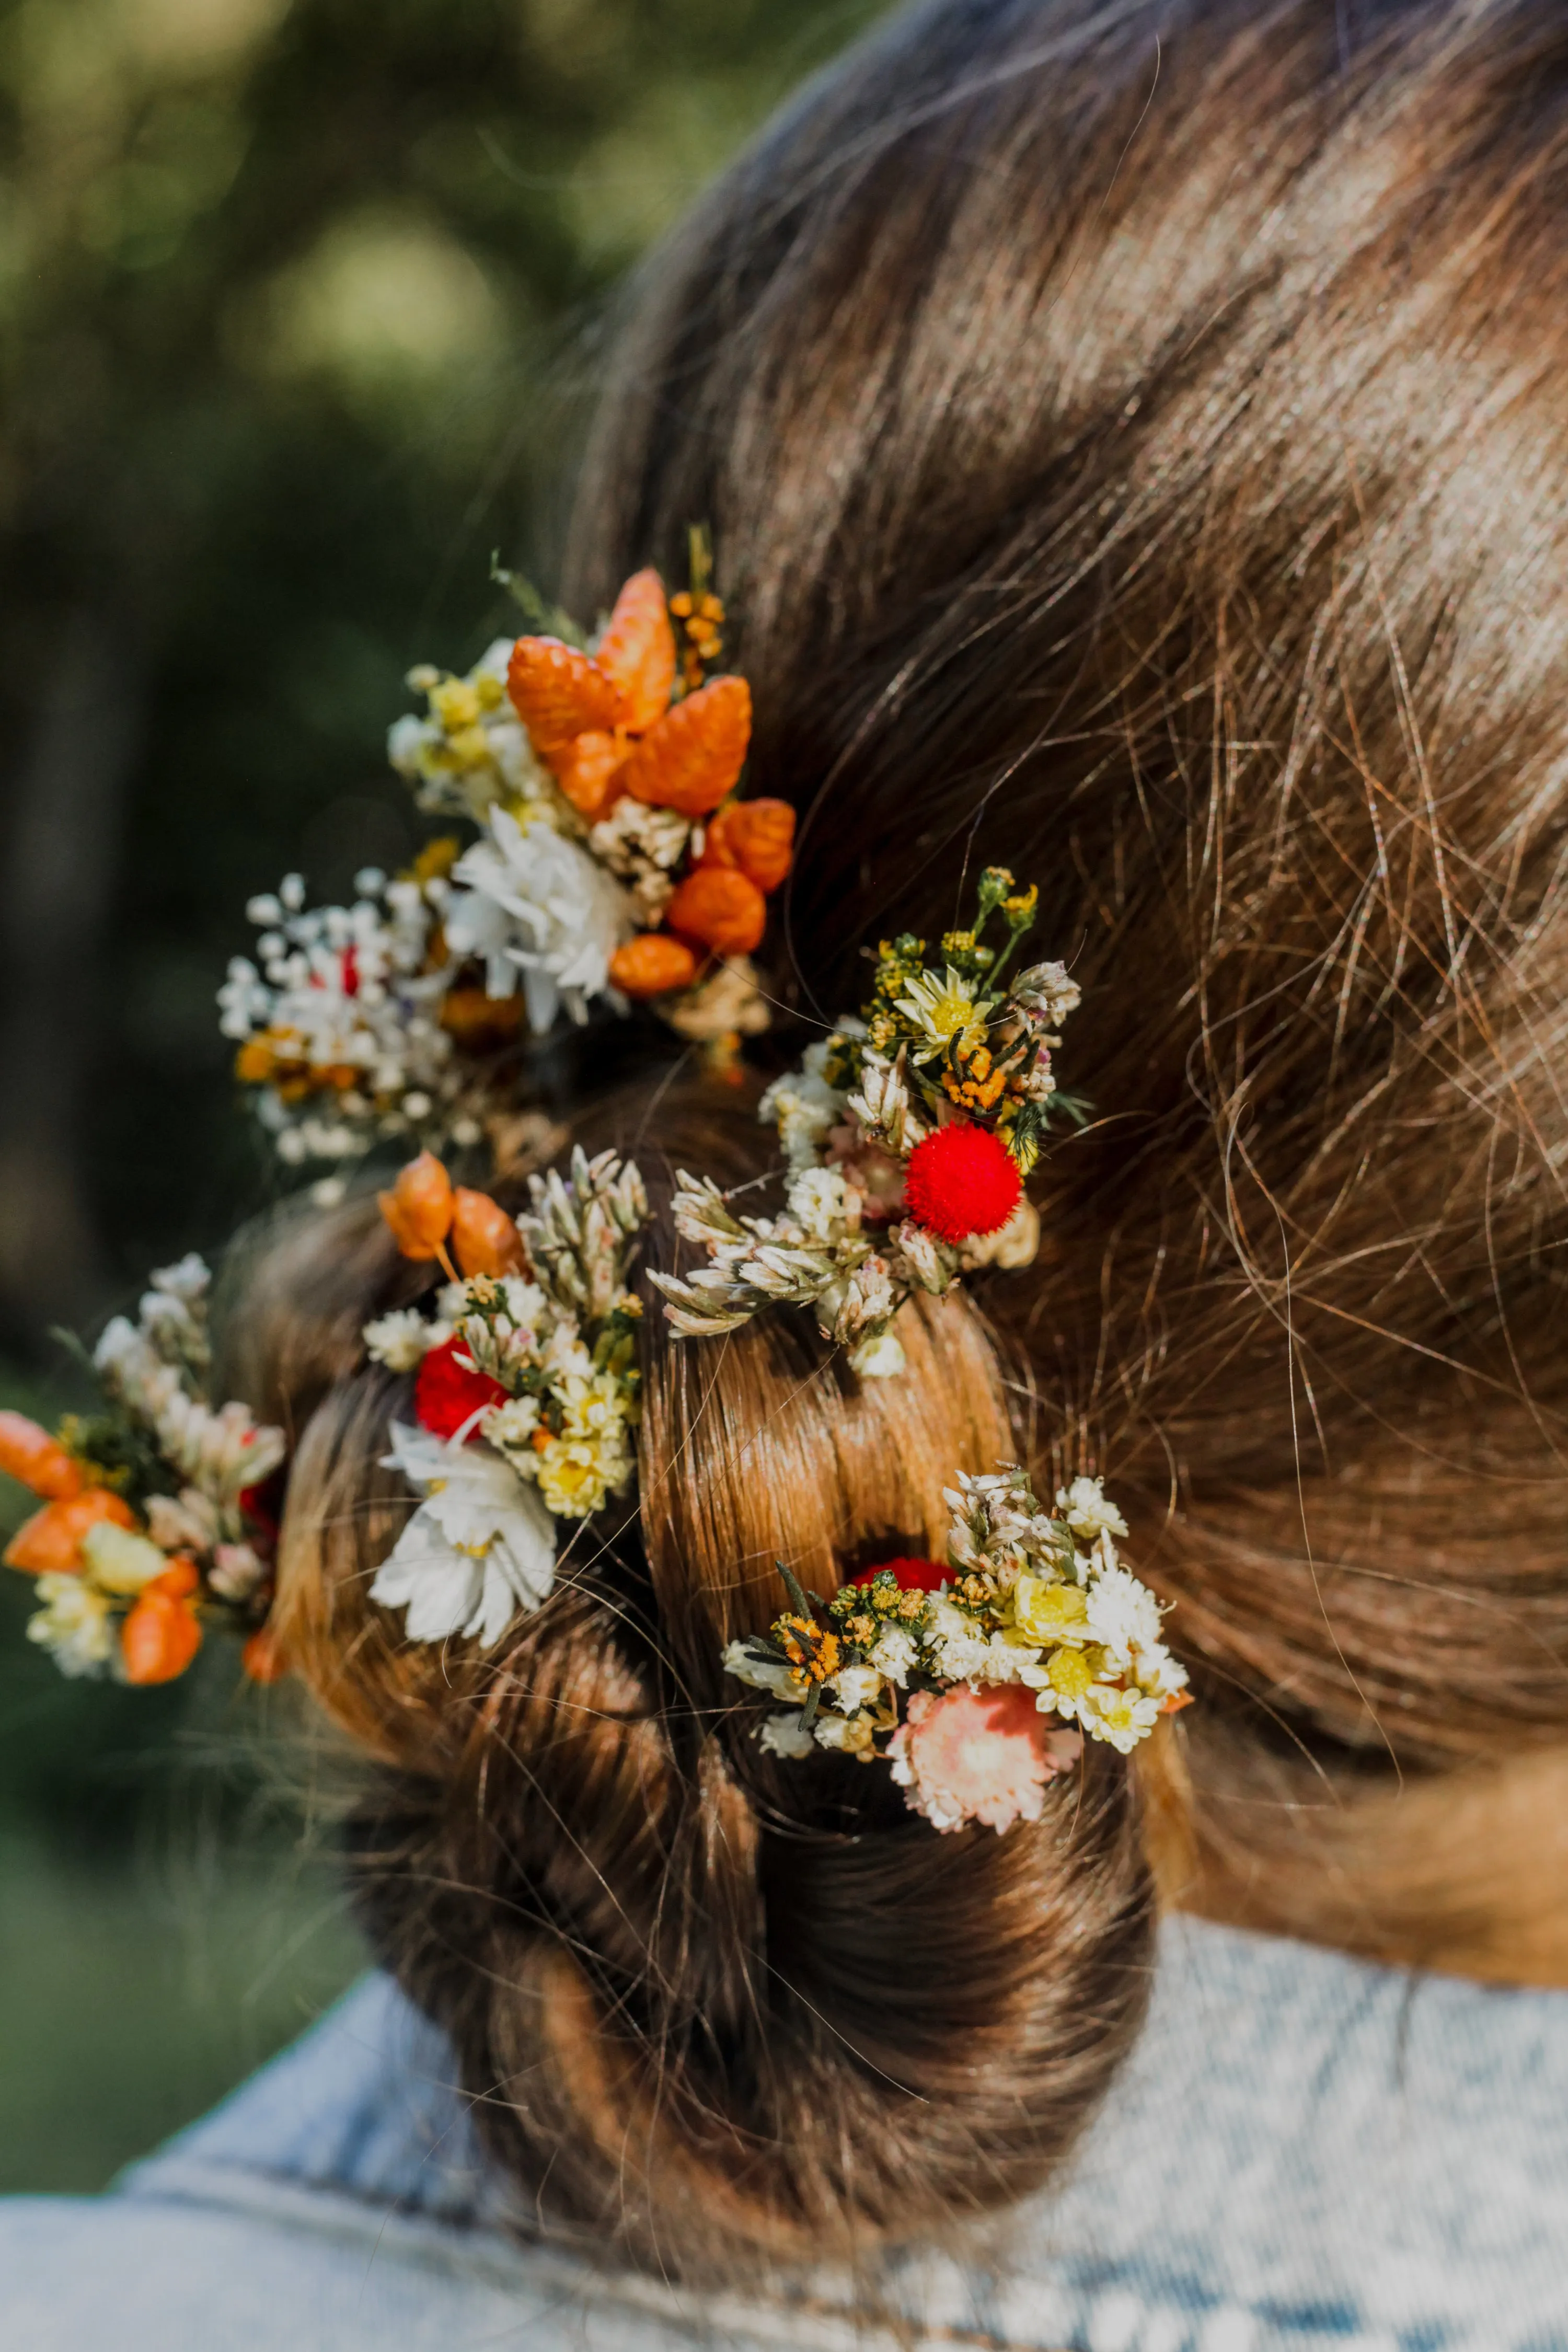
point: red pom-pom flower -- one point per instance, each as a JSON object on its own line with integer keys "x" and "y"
{"x": 447, "y": 1394}
{"x": 961, "y": 1181}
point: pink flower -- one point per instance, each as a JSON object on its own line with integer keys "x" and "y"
{"x": 979, "y": 1755}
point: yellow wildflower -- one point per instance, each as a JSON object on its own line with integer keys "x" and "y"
{"x": 1070, "y": 1673}
{"x": 944, "y": 1007}
{"x": 455, "y": 704}
{"x": 573, "y": 1483}
{"x": 1050, "y": 1613}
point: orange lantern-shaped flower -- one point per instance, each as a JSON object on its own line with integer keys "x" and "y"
{"x": 50, "y": 1541}
{"x": 161, "y": 1635}
{"x": 38, "y": 1460}
{"x": 419, "y": 1207}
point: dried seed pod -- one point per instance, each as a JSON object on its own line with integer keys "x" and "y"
{"x": 691, "y": 759}
{"x": 637, "y": 652}
{"x": 419, "y": 1207}
{"x": 160, "y": 1637}
{"x": 652, "y": 964}
{"x": 720, "y": 908}
{"x": 485, "y": 1240}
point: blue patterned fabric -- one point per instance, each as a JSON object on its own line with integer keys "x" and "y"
{"x": 1306, "y": 2155}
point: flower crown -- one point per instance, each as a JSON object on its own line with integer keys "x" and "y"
{"x": 615, "y": 862}
{"x": 1004, "y": 1660}
{"x": 157, "y": 1511}
{"x": 907, "y": 1133}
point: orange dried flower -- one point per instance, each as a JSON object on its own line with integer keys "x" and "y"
{"x": 484, "y": 1238}
{"x": 160, "y": 1637}
{"x": 588, "y": 772}
{"x": 720, "y": 908}
{"x": 419, "y": 1207}
{"x": 262, "y": 1657}
{"x": 559, "y": 694}
{"x": 758, "y": 837}
{"x": 651, "y": 965}
{"x": 637, "y": 652}
{"x": 50, "y": 1541}
{"x": 39, "y": 1460}
{"x": 691, "y": 759}
{"x": 179, "y": 1582}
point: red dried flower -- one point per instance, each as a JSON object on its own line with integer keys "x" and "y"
{"x": 447, "y": 1394}
{"x": 913, "y": 1575}
{"x": 961, "y": 1182}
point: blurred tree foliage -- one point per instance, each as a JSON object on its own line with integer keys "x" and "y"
{"x": 295, "y": 301}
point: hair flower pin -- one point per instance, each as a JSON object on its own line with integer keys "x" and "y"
{"x": 1034, "y": 1637}
{"x": 614, "y": 863}
{"x": 526, "y": 1394}
{"x": 154, "y": 1518}
{"x": 907, "y": 1136}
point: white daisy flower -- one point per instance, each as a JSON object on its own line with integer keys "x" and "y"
{"x": 944, "y": 1006}
{"x": 535, "y": 905}
{"x": 1120, "y": 1717}
{"x": 480, "y": 1547}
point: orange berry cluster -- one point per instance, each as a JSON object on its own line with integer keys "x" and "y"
{"x": 160, "y": 1632}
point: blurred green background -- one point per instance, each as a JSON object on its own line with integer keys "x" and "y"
{"x": 298, "y": 305}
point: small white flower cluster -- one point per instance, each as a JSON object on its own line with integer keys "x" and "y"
{"x": 1043, "y": 1600}
{"x": 562, "y": 1346}
{"x": 161, "y": 1424}
{"x": 155, "y": 1370}
{"x": 1034, "y": 1599}
{"x": 471, "y": 751}
{"x": 339, "y": 1024}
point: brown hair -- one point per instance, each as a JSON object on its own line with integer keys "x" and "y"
{"x": 1134, "y": 442}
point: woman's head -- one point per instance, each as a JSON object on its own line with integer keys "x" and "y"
{"x": 1133, "y": 445}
